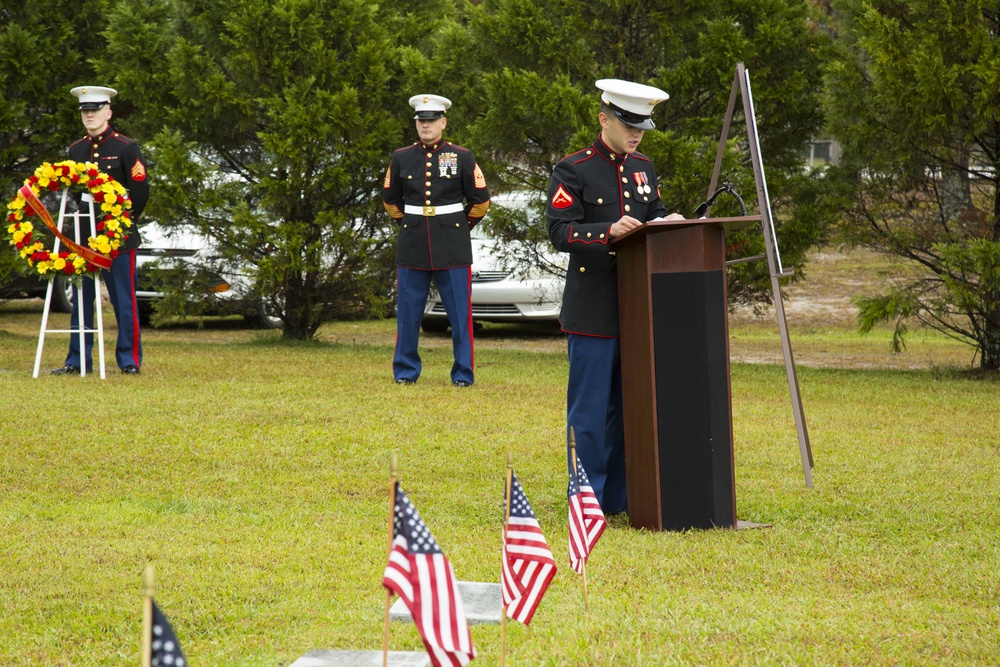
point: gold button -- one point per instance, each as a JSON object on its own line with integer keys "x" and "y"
{"x": 97, "y": 155}
{"x": 627, "y": 207}
{"x": 624, "y": 180}
{"x": 428, "y": 155}
{"x": 600, "y": 201}
{"x": 575, "y": 234}
{"x": 645, "y": 199}
{"x": 428, "y": 174}
{"x": 602, "y": 236}
{"x": 583, "y": 269}
{"x": 622, "y": 168}
{"x": 410, "y": 177}
{"x": 590, "y": 152}
{"x": 627, "y": 194}
{"x": 588, "y": 235}
{"x": 427, "y": 192}
{"x": 428, "y": 202}
{"x": 612, "y": 156}
{"x": 428, "y": 164}
{"x": 456, "y": 224}
{"x": 428, "y": 184}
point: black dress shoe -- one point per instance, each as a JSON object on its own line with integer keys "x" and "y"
{"x": 462, "y": 383}
{"x": 405, "y": 381}
{"x": 131, "y": 370}
{"x": 68, "y": 369}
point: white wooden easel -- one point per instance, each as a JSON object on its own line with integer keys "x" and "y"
{"x": 81, "y": 330}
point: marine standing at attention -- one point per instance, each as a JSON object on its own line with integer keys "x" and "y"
{"x": 436, "y": 193}
{"x": 596, "y": 195}
{"x": 120, "y": 158}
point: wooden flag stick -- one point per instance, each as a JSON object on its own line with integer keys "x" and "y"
{"x": 506, "y": 520}
{"x": 583, "y": 565}
{"x": 388, "y": 594}
{"x": 147, "y": 616}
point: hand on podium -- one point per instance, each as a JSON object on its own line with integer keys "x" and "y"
{"x": 625, "y": 224}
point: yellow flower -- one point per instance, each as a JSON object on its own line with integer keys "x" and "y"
{"x": 27, "y": 227}
{"x": 18, "y": 236}
{"x": 12, "y": 228}
{"x": 59, "y": 263}
{"x": 53, "y": 256}
{"x": 79, "y": 263}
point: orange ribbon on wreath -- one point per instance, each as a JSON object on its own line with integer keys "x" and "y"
{"x": 95, "y": 258}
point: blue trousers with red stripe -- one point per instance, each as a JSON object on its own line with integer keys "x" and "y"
{"x": 412, "y": 288}
{"x": 120, "y": 281}
{"x": 594, "y": 410}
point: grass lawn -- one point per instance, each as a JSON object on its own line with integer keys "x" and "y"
{"x": 253, "y": 475}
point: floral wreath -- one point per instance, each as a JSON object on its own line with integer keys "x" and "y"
{"x": 76, "y": 260}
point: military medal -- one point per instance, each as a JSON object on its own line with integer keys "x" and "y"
{"x": 642, "y": 182}
{"x": 447, "y": 163}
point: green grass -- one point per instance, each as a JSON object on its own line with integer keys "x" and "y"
{"x": 254, "y": 474}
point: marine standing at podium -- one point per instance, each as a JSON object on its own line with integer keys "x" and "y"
{"x": 595, "y": 195}
{"x": 436, "y": 193}
{"x": 120, "y": 158}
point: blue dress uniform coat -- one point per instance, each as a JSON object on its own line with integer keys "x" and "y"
{"x": 436, "y": 194}
{"x": 590, "y": 191}
{"x": 120, "y": 158}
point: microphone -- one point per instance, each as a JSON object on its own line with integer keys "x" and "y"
{"x": 726, "y": 187}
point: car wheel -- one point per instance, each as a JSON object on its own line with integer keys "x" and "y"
{"x": 434, "y": 326}
{"x": 258, "y": 318}
{"x": 62, "y": 296}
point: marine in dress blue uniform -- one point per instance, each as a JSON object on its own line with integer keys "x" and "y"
{"x": 594, "y": 196}
{"x": 120, "y": 158}
{"x": 436, "y": 193}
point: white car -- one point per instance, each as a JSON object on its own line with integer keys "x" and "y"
{"x": 504, "y": 288}
{"x": 181, "y": 256}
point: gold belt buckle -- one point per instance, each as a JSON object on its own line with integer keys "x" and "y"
{"x": 429, "y": 210}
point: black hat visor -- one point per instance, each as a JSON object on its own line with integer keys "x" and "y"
{"x": 428, "y": 114}
{"x": 632, "y": 119}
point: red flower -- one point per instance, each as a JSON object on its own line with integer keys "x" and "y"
{"x": 39, "y": 256}
{"x": 92, "y": 172}
{"x": 64, "y": 254}
{"x": 98, "y": 197}
{"x": 28, "y": 211}
{"x": 19, "y": 245}
{"x": 110, "y": 234}
{"x": 100, "y": 226}
{"x": 53, "y": 185}
{"x": 113, "y": 254}
{"x": 68, "y": 269}
{"x": 32, "y": 179}
{"x": 65, "y": 170}
{"x": 75, "y": 178}
{"x": 93, "y": 268}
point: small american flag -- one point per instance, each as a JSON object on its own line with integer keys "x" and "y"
{"x": 586, "y": 520}
{"x": 528, "y": 566}
{"x": 166, "y": 650}
{"x": 421, "y": 576}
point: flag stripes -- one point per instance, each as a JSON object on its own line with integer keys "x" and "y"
{"x": 528, "y": 566}
{"x": 586, "y": 520}
{"x": 420, "y": 574}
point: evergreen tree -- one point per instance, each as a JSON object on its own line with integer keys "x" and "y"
{"x": 533, "y": 64}
{"x": 44, "y": 52}
{"x": 914, "y": 97}
{"x": 271, "y": 125}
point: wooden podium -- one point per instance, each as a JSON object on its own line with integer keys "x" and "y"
{"x": 675, "y": 373}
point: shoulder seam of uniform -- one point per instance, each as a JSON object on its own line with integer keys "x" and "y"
{"x": 639, "y": 156}
{"x": 582, "y": 159}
